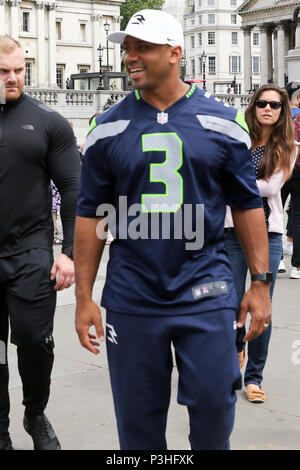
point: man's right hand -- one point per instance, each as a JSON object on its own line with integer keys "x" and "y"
{"x": 88, "y": 314}
{"x": 257, "y": 302}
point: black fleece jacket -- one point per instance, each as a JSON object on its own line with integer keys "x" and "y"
{"x": 36, "y": 145}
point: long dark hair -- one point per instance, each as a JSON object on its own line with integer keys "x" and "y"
{"x": 281, "y": 148}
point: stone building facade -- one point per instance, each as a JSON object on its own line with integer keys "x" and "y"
{"x": 214, "y": 27}
{"x": 273, "y": 18}
{"x": 61, "y": 37}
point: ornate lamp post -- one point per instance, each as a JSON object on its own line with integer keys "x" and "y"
{"x": 107, "y": 28}
{"x": 183, "y": 63}
{"x": 100, "y": 55}
{"x": 203, "y": 62}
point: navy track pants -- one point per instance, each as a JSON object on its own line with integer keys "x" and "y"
{"x": 141, "y": 362}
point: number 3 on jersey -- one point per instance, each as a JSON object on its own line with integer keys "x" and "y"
{"x": 165, "y": 172}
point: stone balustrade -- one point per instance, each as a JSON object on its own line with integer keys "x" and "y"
{"x": 61, "y": 98}
{"x": 78, "y": 106}
{"x": 97, "y": 100}
{"x": 237, "y": 101}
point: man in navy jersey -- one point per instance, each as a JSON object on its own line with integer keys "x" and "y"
{"x": 161, "y": 165}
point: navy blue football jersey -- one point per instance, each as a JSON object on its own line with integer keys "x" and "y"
{"x": 164, "y": 180}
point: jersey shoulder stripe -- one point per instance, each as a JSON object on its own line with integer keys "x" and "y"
{"x": 225, "y": 126}
{"x": 112, "y": 122}
{"x": 107, "y": 129}
{"x": 217, "y": 116}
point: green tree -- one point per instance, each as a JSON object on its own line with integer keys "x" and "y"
{"x": 132, "y": 6}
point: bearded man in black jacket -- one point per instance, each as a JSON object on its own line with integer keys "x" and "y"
{"x": 36, "y": 145}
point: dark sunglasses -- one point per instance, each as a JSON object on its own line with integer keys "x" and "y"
{"x": 263, "y": 103}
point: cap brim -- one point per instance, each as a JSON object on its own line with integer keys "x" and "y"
{"x": 117, "y": 37}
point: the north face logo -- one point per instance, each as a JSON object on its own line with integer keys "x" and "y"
{"x": 139, "y": 19}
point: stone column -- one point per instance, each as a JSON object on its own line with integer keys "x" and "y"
{"x": 2, "y": 17}
{"x": 297, "y": 36}
{"x": 52, "y": 46}
{"x": 275, "y": 56}
{"x": 293, "y": 58}
{"x": 14, "y": 18}
{"x": 281, "y": 54}
{"x": 116, "y": 47}
{"x": 270, "y": 53}
{"x": 264, "y": 55}
{"x": 40, "y": 59}
{"x": 96, "y": 40}
{"x": 247, "y": 58}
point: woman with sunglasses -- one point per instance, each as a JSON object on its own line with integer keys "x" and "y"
{"x": 273, "y": 153}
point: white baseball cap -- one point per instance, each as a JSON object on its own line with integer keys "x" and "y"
{"x": 154, "y": 26}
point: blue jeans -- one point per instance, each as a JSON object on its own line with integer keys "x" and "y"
{"x": 257, "y": 348}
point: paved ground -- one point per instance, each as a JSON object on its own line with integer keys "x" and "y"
{"x": 81, "y": 407}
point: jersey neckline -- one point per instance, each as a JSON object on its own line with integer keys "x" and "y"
{"x": 138, "y": 96}
{"x": 152, "y": 112}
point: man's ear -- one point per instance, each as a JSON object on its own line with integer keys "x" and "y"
{"x": 176, "y": 53}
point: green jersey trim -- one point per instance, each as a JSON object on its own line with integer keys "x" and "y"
{"x": 93, "y": 125}
{"x": 191, "y": 91}
{"x": 137, "y": 95}
{"x": 188, "y": 95}
{"x": 240, "y": 119}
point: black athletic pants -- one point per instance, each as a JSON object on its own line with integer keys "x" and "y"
{"x": 27, "y": 303}
{"x": 292, "y": 187}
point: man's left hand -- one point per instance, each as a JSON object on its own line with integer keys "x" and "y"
{"x": 63, "y": 271}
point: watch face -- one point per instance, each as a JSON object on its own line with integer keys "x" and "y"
{"x": 269, "y": 277}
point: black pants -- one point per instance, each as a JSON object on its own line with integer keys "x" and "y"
{"x": 292, "y": 187}
{"x": 27, "y": 303}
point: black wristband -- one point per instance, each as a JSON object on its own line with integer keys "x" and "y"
{"x": 68, "y": 251}
{"x": 266, "y": 277}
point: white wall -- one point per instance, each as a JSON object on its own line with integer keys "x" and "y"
{"x": 175, "y": 8}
